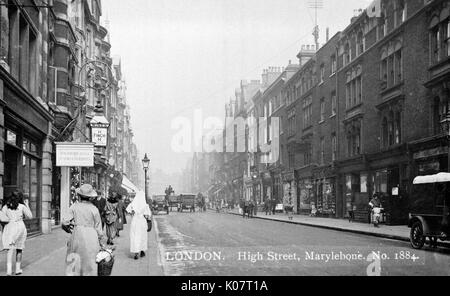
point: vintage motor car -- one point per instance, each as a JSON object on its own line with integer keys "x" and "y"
{"x": 160, "y": 204}
{"x": 187, "y": 202}
{"x": 429, "y": 210}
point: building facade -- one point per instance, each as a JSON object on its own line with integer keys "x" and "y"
{"x": 55, "y": 68}
{"x": 362, "y": 114}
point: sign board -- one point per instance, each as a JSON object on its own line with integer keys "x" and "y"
{"x": 100, "y": 136}
{"x": 74, "y": 154}
{"x": 395, "y": 191}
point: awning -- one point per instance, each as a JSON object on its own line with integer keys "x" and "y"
{"x": 129, "y": 186}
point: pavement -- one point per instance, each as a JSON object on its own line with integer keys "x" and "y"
{"x": 211, "y": 244}
{"x": 400, "y": 233}
{"x": 45, "y": 256}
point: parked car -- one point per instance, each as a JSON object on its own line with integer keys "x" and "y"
{"x": 160, "y": 204}
{"x": 429, "y": 210}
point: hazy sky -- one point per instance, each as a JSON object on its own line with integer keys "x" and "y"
{"x": 179, "y": 55}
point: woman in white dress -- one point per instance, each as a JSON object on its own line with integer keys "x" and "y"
{"x": 140, "y": 212}
{"x": 15, "y": 232}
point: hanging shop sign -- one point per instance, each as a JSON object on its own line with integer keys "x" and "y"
{"x": 75, "y": 154}
{"x": 99, "y": 131}
{"x": 100, "y": 136}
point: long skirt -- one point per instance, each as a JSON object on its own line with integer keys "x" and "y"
{"x": 138, "y": 234}
{"x": 82, "y": 249}
{"x": 111, "y": 230}
{"x": 14, "y": 236}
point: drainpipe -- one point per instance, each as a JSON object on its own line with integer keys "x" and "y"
{"x": 338, "y": 136}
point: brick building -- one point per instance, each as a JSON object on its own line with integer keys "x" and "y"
{"x": 54, "y": 63}
{"x": 363, "y": 113}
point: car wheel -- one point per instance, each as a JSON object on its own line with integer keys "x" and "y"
{"x": 416, "y": 237}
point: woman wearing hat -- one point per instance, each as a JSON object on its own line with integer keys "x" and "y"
{"x": 86, "y": 235}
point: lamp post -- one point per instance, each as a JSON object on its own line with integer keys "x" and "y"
{"x": 146, "y": 164}
{"x": 446, "y": 125}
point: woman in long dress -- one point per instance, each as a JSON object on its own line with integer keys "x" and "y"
{"x": 112, "y": 216}
{"x": 15, "y": 232}
{"x": 85, "y": 240}
{"x": 121, "y": 211}
{"x": 140, "y": 212}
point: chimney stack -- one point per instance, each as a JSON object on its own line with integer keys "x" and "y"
{"x": 328, "y": 34}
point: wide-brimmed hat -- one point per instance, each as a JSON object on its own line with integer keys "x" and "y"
{"x": 87, "y": 191}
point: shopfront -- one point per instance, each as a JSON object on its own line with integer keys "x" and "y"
{"x": 290, "y": 190}
{"x": 325, "y": 193}
{"x": 23, "y": 157}
{"x": 356, "y": 195}
{"x": 306, "y": 195}
{"x": 26, "y": 127}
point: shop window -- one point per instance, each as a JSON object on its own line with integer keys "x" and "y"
{"x": 11, "y": 166}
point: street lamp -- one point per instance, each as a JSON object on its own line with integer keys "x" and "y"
{"x": 446, "y": 125}
{"x": 146, "y": 165}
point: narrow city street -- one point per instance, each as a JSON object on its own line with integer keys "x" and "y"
{"x": 189, "y": 244}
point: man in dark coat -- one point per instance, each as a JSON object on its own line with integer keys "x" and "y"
{"x": 100, "y": 203}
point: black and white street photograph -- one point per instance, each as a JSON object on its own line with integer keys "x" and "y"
{"x": 205, "y": 139}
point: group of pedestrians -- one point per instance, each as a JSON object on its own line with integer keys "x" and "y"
{"x": 92, "y": 218}
{"x": 90, "y": 221}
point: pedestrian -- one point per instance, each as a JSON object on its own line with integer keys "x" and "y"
{"x": 100, "y": 203}
{"x": 376, "y": 207}
{"x": 313, "y": 210}
{"x": 122, "y": 218}
{"x": 140, "y": 212}
{"x": 290, "y": 209}
{"x": 112, "y": 215}
{"x": 251, "y": 210}
{"x": 245, "y": 208}
{"x": 15, "y": 233}
{"x": 267, "y": 206}
{"x": 85, "y": 225}
{"x": 351, "y": 212}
